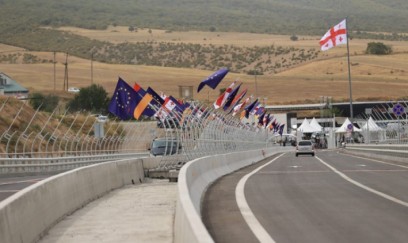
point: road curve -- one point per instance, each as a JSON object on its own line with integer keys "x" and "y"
{"x": 328, "y": 198}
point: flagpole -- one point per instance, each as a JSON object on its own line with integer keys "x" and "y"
{"x": 349, "y": 72}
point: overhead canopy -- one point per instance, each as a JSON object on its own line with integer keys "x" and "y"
{"x": 344, "y": 128}
{"x": 305, "y": 127}
{"x": 315, "y": 125}
{"x": 370, "y": 125}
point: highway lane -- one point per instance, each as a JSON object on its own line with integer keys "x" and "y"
{"x": 328, "y": 198}
{"x": 11, "y": 185}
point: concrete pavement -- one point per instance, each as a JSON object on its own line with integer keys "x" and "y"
{"x": 134, "y": 213}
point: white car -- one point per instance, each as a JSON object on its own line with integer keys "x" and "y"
{"x": 102, "y": 118}
{"x": 73, "y": 90}
{"x": 305, "y": 147}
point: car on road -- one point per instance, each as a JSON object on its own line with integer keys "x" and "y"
{"x": 165, "y": 146}
{"x": 305, "y": 147}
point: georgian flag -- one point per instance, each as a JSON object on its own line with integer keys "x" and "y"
{"x": 169, "y": 104}
{"x": 337, "y": 35}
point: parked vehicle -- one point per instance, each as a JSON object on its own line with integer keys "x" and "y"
{"x": 73, "y": 90}
{"x": 305, "y": 147}
{"x": 102, "y": 118}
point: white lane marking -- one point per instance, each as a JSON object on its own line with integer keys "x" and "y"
{"x": 381, "y": 194}
{"x": 24, "y": 181}
{"x": 295, "y": 166}
{"x": 8, "y": 191}
{"x": 361, "y": 165}
{"x": 374, "y": 160}
{"x": 246, "y": 211}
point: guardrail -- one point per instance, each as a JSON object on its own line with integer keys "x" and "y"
{"x": 26, "y": 166}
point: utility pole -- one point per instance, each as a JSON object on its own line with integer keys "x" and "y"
{"x": 92, "y": 54}
{"x": 66, "y": 73}
{"x": 256, "y": 84}
{"x": 54, "y": 62}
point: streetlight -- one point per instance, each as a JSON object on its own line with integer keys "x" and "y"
{"x": 256, "y": 84}
{"x": 368, "y": 112}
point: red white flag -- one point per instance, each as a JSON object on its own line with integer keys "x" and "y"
{"x": 223, "y": 98}
{"x": 337, "y": 35}
{"x": 169, "y": 104}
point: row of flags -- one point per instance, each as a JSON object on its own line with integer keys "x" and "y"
{"x": 134, "y": 102}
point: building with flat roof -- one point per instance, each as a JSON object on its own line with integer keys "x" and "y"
{"x": 9, "y": 87}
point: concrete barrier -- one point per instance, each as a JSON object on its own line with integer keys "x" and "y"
{"x": 28, "y": 214}
{"x": 195, "y": 177}
{"x": 386, "y": 152}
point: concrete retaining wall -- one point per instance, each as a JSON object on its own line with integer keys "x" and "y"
{"x": 28, "y": 214}
{"x": 193, "y": 180}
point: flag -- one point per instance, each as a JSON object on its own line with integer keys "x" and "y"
{"x": 142, "y": 103}
{"x": 249, "y": 108}
{"x": 335, "y": 36}
{"x": 214, "y": 79}
{"x": 153, "y": 105}
{"x": 254, "y": 110}
{"x": 231, "y": 97}
{"x": 123, "y": 101}
{"x": 281, "y": 129}
{"x": 238, "y": 107}
{"x": 156, "y": 96}
{"x": 171, "y": 104}
{"x": 238, "y": 99}
{"x": 261, "y": 119}
{"x": 223, "y": 98}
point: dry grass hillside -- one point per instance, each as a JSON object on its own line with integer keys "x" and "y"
{"x": 21, "y": 126}
{"x": 373, "y": 77}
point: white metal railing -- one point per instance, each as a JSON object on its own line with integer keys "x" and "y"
{"x": 198, "y": 131}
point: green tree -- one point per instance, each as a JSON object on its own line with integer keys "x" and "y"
{"x": 46, "y": 103}
{"x": 378, "y": 48}
{"x": 93, "y": 98}
{"x": 294, "y": 38}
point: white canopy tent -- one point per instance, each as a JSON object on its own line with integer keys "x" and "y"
{"x": 371, "y": 125}
{"x": 373, "y": 132}
{"x": 316, "y": 125}
{"x": 305, "y": 127}
{"x": 345, "y": 132}
{"x": 344, "y": 127}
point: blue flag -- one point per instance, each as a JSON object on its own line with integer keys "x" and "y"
{"x": 249, "y": 108}
{"x": 231, "y": 97}
{"x": 214, "y": 79}
{"x": 123, "y": 101}
{"x": 157, "y": 97}
{"x": 281, "y": 129}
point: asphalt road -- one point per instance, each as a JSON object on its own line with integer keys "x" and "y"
{"x": 328, "y": 198}
{"x": 11, "y": 185}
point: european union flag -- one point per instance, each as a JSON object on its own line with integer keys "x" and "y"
{"x": 214, "y": 79}
{"x": 123, "y": 101}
